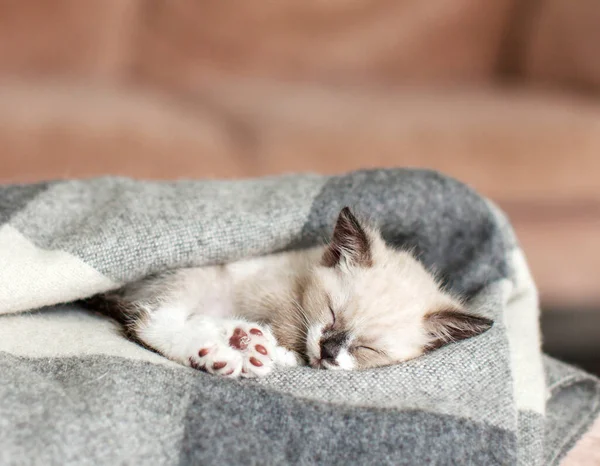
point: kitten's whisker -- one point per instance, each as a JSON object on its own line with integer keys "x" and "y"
{"x": 302, "y": 314}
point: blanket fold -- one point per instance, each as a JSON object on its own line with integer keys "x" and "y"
{"x": 80, "y": 393}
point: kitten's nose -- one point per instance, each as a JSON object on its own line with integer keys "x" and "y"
{"x": 330, "y": 349}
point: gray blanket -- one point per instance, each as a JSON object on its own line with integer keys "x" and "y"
{"x": 74, "y": 391}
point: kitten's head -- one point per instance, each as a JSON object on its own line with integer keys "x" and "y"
{"x": 369, "y": 305}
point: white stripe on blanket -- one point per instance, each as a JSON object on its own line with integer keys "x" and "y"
{"x": 32, "y": 277}
{"x": 68, "y": 331}
{"x": 522, "y": 329}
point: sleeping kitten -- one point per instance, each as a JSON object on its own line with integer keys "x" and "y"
{"x": 353, "y": 304}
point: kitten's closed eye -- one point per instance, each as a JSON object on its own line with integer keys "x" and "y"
{"x": 367, "y": 348}
{"x": 332, "y": 315}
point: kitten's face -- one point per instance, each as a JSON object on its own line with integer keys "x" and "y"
{"x": 369, "y": 305}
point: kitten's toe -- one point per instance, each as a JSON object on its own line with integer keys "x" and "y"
{"x": 259, "y": 357}
{"x": 218, "y": 360}
{"x": 256, "y": 365}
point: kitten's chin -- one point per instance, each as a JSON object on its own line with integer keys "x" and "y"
{"x": 344, "y": 362}
{"x": 315, "y": 363}
{"x": 320, "y": 364}
{"x": 331, "y": 367}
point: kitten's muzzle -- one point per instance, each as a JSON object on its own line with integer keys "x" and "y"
{"x": 330, "y": 351}
{"x": 331, "y": 346}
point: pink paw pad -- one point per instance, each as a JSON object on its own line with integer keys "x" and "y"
{"x": 261, "y": 349}
{"x": 239, "y": 340}
{"x": 255, "y": 362}
{"x": 255, "y": 331}
{"x": 219, "y": 365}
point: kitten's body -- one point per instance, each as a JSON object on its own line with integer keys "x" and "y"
{"x": 353, "y": 304}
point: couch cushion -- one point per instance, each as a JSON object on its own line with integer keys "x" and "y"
{"x": 562, "y": 43}
{"x": 65, "y": 37}
{"x": 361, "y": 41}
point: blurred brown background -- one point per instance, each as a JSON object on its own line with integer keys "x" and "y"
{"x": 503, "y": 94}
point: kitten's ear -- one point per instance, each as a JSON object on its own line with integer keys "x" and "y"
{"x": 453, "y": 324}
{"x": 350, "y": 242}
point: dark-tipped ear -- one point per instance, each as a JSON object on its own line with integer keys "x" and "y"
{"x": 452, "y": 324}
{"x": 350, "y": 242}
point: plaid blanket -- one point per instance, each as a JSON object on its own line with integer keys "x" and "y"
{"x": 74, "y": 391}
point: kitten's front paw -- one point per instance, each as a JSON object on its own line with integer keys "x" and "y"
{"x": 245, "y": 350}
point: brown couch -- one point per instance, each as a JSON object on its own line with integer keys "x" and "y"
{"x": 502, "y": 94}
